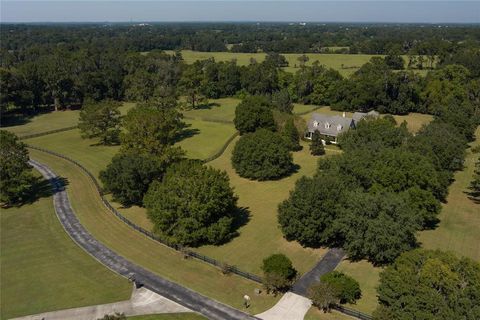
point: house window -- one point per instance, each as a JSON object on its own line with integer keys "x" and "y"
{"x": 339, "y": 127}
{"x": 327, "y": 125}
{"x": 315, "y": 123}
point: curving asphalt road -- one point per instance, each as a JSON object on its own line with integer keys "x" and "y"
{"x": 183, "y": 296}
{"x": 328, "y": 263}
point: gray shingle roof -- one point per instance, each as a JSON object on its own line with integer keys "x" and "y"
{"x": 329, "y": 125}
{"x": 357, "y": 116}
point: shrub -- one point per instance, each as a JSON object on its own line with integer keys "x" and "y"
{"x": 128, "y": 176}
{"x": 278, "y": 271}
{"x": 262, "y": 155}
{"x": 192, "y": 205}
{"x": 323, "y": 295}
{"x": 291, "y": 136}
{"x": 347, "y": 288}
{"x": 252, "y": 113}
{"x": 316, "y": 146}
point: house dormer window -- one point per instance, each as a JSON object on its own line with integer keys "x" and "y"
{"x": 339, "y": 127}
{"x": 327, "y": 125}
{"x": 315, "y": 123}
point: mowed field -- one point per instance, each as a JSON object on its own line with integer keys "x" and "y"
{"x": 42, "y": 269}
{"x": 44, "y": 122}
{"x": 132, "y": 245}
{"x": 261, "y": 236}
{"x": 258, "y": 238}
{"x": 346, "y": 64}
{"x": 459, "y": 225}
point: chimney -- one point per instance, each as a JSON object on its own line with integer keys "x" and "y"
{"x": 343, "y": 115}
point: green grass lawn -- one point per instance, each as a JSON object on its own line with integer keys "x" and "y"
{"x": 131, "y": 244}
{"x": 216, "y": 110}
{"x": 42, "y": 269}
{"x": 315, "y": 314}
{"x": 53, "y": 120}
{"x": 346, "y": 64}
{"x": 224, "y": 110}
{"x": 46, "y": 122}
{"x": 207, "y": 138}
{"x": 70, "y": 143}
{"x": 261, "y": 236}
{"x": 459, "y": 228}
{"x": 303, "y": 108}
{"x": 170, "y": 316}
{"x": 367, "y": 276}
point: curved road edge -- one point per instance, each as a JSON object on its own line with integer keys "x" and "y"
{"x": 183, "y": 296}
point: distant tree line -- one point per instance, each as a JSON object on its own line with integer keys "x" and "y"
{"x": 247, "y": 37}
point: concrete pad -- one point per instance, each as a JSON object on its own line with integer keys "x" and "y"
{"x": 291, "y": 306}
{"x": 143, "y": 301}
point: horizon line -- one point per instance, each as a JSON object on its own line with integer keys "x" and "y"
{"x": 239, "y": 21}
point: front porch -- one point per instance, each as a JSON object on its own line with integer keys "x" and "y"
{"x": 325, "y": 138}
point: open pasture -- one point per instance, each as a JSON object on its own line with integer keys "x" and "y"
{"x": 260, "y": 236}
{"x": 54, "y": 120}
{"x": 346, "y": 64}
{"x": 202, "y": 140}
{"x": 459, "y": 226}
{"x": 43, "y": 269}
{"x": 132, "y": 245}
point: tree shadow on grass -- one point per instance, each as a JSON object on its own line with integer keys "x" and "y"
{"x": 241, "y": 216}
{"x": 42, "y": 188}
{"x": 186, "y": 133}
{"x": 10, "y": 120}
{"x": 473, "y": 196}
{"x": 206, "y": 106}
{"x": 431, "y": 224}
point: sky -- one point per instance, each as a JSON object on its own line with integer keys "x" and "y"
{"x": 249, "y": 10}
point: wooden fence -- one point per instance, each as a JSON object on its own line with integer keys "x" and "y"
{"x": 179, "y": 248}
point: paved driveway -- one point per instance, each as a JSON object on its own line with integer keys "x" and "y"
{"x": 170, "y": 290}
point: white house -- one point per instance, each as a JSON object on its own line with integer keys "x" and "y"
{"x": 332, "y": 126}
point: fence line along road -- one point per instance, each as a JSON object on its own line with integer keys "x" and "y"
{"x": 44, "y": 133}
{"x": 185, "y": 251}
{"x": 189, "y": 253}
{"x": 170, "y": 290}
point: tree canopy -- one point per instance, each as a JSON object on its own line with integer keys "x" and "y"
{"x": 429, "y": 285}
{"x": 100, "y": 120}
{"x": 152, "y": 129}
{"x": 128, "y": 176}
{"x": 15, "y": 173}
{"x": 254, "y": 112}
{"x": 279, "y": 272}
{"x": 316, "y": 146}
{"x": 192, "y": 205}
{"x": 348, "y": 289}
{"x": 262, "y": 155}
